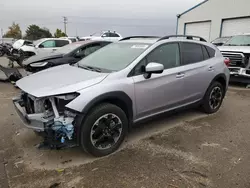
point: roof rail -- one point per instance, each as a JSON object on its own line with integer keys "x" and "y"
{"x": 190, "y": 37}
{"x": 139, "y": 37}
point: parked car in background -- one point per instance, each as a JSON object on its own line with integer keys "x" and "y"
{"x": 237, "y": 50}
{"x": 220, "y": 41}
{"x": 73, "y": 39}
{"x": 94, "y": 102}
{"x": 105, "y": 35}
{"x": 68, "y": 54}
{"x": 19, "y": 43}
{"x": 42, "y": 45}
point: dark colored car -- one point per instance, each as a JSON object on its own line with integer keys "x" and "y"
{"x": 220, "y": 41}
{"x": 69, "y": 54}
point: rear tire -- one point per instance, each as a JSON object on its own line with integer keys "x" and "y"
{"x": 100, "y": 125}
{"x": 213, "y": 98}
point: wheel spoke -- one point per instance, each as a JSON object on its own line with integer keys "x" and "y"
{"x": 215, "y": 98}
{"x": 106, "y": 131}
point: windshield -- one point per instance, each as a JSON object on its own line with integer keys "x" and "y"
{"x": 221, "y": 40}
{"x": 68, "y": 48}
{"x": 114, "y": 57}
{"x": 241, "y": 40}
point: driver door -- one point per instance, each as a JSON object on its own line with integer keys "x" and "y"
{"x": 161, "y": 92}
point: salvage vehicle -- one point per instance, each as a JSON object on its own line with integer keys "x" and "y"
{"x": 104, "y": 35}
{"x": 95, "y": 102}
{"x": 237, "y": 51}
{"x": 220, "y": 41}
{"x": 68, "y": 54}
{"x": 42, "y": 45}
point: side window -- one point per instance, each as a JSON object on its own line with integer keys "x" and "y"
{"x": 191, "y": 53}
{"x": 87, "y": 50}
{"x": 61, "y": 43}
{"x": 211, "y": 51}
{"x": 48, "y": 44}
{"x": 166, "y": 54}
{"x": 106, "y": 34}
{"x": 114, "y": 35}
{"x": 205, "y": 53}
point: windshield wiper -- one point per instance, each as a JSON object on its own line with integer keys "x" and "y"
{"x": 230, "y": 45}
{"x": 90, "y": 68}
{"x": 244, "y": 45}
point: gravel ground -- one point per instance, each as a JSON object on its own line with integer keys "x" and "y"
{"x": 187, "y": 149}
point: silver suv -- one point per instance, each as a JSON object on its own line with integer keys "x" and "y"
{"x": 95, "y": 102}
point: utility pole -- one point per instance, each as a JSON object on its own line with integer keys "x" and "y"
{"x": 65, "y": 21}
{"x": 2, "y": 34}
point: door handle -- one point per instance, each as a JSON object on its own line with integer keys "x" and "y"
{"x": 180, "y": 75}
{"x": 53, "y": 49}
{"x": 211, "y": 68}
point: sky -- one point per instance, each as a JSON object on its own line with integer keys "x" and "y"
{"x": 130, "y": 17}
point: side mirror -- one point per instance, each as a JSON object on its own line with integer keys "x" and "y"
{"x": 41, "y": 46}
{"x": 153, "y": 68}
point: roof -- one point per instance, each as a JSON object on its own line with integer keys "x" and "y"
{"x": 89, "y": 41}
{"x": 141, "y": 40}
{"x": 179, "y": 15}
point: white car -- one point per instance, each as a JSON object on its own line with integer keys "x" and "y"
{"x": 73, "y": 39}
{"x": 105, "y": 35}
{"x": 43, "y": 45}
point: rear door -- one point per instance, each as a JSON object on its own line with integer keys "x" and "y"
{"x": 198, "y": 69}
{"x": 60, "y": 43}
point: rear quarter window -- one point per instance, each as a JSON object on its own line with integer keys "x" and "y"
{"x": 210, "y": 51}
{"x": 61, "y": 43}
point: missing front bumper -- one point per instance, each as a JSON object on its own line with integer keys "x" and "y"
{"x": 37, "y": 121}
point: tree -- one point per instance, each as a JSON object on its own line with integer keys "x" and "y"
{"x": 34, "y": 32}
{"x": 14, "y": 31}
{"x": 59, "y": 33}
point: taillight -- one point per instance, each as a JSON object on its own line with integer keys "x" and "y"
{"x": 227, "y": 61}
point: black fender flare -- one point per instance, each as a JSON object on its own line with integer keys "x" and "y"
{"x": 115, "y": 95}
{"x": 221, "y": 75}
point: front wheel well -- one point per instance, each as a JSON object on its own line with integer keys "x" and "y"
{"x": 119, "y": 99}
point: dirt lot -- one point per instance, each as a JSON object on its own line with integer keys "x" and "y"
{"x": 188, "y": 149}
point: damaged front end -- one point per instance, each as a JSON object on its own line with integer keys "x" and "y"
{"x": 48, "y": 117}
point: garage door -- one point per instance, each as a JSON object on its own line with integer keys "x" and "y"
{"x": 235, "y": 26}
{"x": 201, "y": 29}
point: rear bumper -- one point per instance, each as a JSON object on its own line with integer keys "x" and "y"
{"x": 36, "y": 122}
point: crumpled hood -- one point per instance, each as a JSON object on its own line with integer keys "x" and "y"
{"x": 27, "y": 48}
{"x": 42, "y": 57}
{"x": 243, "y": 49}
{"x": 59, "y": 80}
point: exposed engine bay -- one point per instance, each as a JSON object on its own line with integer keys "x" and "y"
{"x": 47, "y": 117}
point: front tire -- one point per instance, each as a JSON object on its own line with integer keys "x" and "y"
{"x": 213, "y": 98}
{"x": 103, "y": 130}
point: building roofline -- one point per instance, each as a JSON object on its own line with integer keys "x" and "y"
{"x": 179, "y": 15}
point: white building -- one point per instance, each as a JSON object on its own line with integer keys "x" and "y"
{"x": 215, "y": 18}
